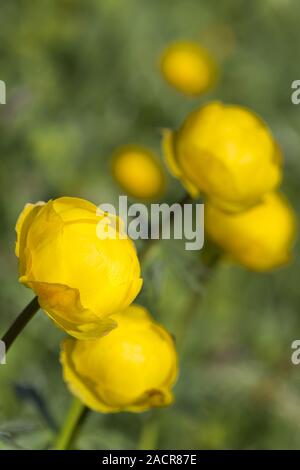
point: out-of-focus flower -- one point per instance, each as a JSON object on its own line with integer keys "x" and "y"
{"x": 138, "y": 172}
{"x": 131, "y": 369}
{"x": 260, "y": 238}
{"x": 225, "y": 152}
{"x": 80, "y": 279}
{"x": 188, "y": 67}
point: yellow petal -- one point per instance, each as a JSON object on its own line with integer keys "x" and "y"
{"x": 131, "y": 369}
{"x": 24, "y": 221}
{"x": 77, "y": 386}
{"x": 171, "y": 161}
{"x": 260, "y": 238}
{"x": 227, "y": 153}
{"x": 74, "y": 209}
{"x": 156, "y": 398}
{"x": 63, "y": 305}
{"x": 80, "y": 278}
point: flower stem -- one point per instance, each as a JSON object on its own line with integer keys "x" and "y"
{"x": 149, "y": 435}
{"x": 21, "y": 321}
{"x": 74, "y": 420}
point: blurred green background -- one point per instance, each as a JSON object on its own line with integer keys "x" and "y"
{"x": 82, "y": 77}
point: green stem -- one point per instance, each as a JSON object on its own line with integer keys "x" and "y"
{"x": 21, "y": 321}
{"x": 149, "y": 435}
{"x": 71, "y": 426}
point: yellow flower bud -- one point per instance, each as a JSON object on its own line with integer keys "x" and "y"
{"x": 131, "y": 369}
{"x": 79, "y": 278}
{"x": 138, "y": 172}
{"x": 225, "y": 152}
{"x": 260, "y": 238}
{"x": 188, "y": 67}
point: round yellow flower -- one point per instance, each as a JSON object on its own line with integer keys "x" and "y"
{"x": 225, "y": 152}
{"x": 138, "y": 172}
{"x": 260, "y": 238}
{"x": 79, "y": 278}
{"x": 188, "y": 67}
{"x": 131, "y": 369}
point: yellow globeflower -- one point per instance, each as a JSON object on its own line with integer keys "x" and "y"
{"x": 131, "y": 369}
{"x": 225, "y": 152}
{"x": 138, "y": 172}
{"x": 188, "y": 67}
{"x": 260, "y": 238}
{"x": 79, "y": 278}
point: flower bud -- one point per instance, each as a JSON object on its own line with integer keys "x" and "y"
{"x": 138, "y": 172}
{"x": 131, "y": 369}
{"x": 188, "y": 67}
{"x": 260, "y": 238}
{"x": 226, "y": 153}
{"x": 80, "y": 279}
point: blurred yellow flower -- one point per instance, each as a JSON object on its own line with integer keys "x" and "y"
{"x": 260, "y": 238}
{"x": 225, "y": 152}
{"x": 79, "y": 279}
{"x": 131, "y": 369}
{"x": 138, "y": 172}
{"x": 188, "y": 67}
